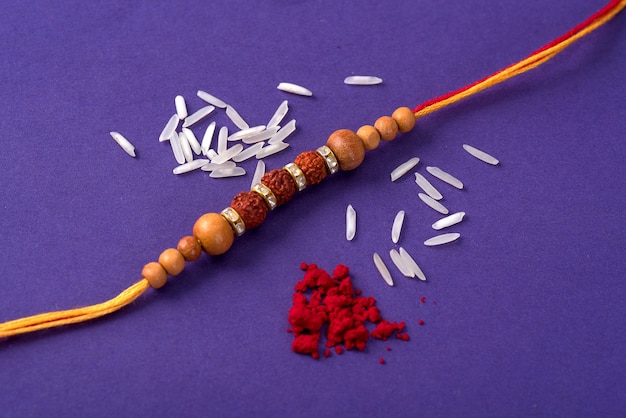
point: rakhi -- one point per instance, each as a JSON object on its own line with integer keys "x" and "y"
{"x": 214, "y": 233}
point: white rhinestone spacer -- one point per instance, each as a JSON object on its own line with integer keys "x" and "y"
{"x": 329, "y": 159}
{"x": 234, "y": 220}
{"x": 266, "y": 193}
{"x": 297, "y": 174}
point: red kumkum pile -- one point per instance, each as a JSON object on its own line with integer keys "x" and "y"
{"x": 335, "y": 306}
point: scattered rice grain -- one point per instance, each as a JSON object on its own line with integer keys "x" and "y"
{"x": 295, "y": 89}
{"x": 259, "y": 171}
{"x": 244, "y": 133}
{"x": 227, "y": 172}
{"x": 427, "y": 187}
{"x": 453, "y": 219}
{"x": 397, "y": 226}
{"x": 350, "y": 223}
{"x": 193, "y": 141}
{"x": 208, "y": 138}
{"x": 433, "y": 203}
{"x": 261, "y": 136}
{"x": 222, "y": 138}
{"x": 248, "y": 152}
{"x": 176, "y": 148}
{"x": 271, "y": 149}
{"x": 382, "y": 269}
{"x": 190, "y": 166}
{"x": 444, "y": 176}
{"x": 169, "y": 129}
{"x": 210, "y": 99}
{"x": 481, "y": 155}
{"x": 181, "y": 107}
{"x": 184, "y": 145}
{"x": 236, "y": 118}
{"x": 278, "y": 116}
{"x": 227, "y": 154}
{"x": 409, "y": 261}
{"x": 210, "y": 154}
{"x": 124, "y": 143}
{"x": 198, "y": 115}
{"x": 284, "y": 132}
{"x": 222, "y": 166}
{"x": 400, "y": 264}
{"x": 442, "y": 239}
{"x": 404, "y": 168}
{"x": 362, "y": 80}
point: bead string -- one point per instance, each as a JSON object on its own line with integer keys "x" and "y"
{"x": 345, "y": 150}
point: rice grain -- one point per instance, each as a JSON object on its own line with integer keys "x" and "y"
{"x": 427, "y": 187}
{"x": 184, "y": 145}
{"x": 453, "y": 219}
{"x": 181, "y": 107}
{"x": 271, "y": 149}
{"x": 248, "y": 152}
{"x": 227, "y": 154}
{"x": 400, "y": 263}
{"x": 212, "y": 167}
{"x": 208, "y": 138}
{"x": 124, "y": 143}
{"x": 261, "y": 136}
{"x": 350, "y": 223}
{"x": 284, "y": 132}
{"x": 362, "y": 80}
{"x": 222, "y": 138}
{"x": 382, "y": 269}
{"x": 176, "y": 148}
{"x": 259, "y": 171}
{"x": 404, "y": 168}
{"x": 442, "y": 239}
{"x": 278, "y": 116}
{"x": 190, "y": 166}
{"x": 444, "y": 176}
{"x": 210, "y": 99}
{"x": 193, "y": 141}
{"x": 227, "y": 172}
{"x": 244, "y": 133}
{"x": 410, "y": 262}
{"x": 198, "y": 115}
{"x": 236, "y": 118}
{"x": 397, "y": 226}
{"x": 169, "y": 129}
{"x": 433, "y": 203}
{"x": 481, "y": 155}
{"x": 294, "y": 89}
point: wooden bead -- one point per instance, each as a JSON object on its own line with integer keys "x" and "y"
{"x": 387, "y": 127}
{"x": 190, "y": 248}
{"x": 214, "y": 233}
{"x": 405, "y": 118}
{"x": 347, "y": 147}
{"x": 370, "y": 137}
{"x": 172, "y": 261}
{"x": 155, "y": 274}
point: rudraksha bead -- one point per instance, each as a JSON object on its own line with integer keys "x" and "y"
{"x": 313, "y": 166}
{"x": 281, "y": 184}
{"x": 251, "y": 207}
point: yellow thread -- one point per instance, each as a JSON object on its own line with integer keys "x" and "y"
{"x": 521, "y": 67}
{"x": 72, "y": 316}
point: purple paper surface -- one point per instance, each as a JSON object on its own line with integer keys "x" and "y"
{"x": 524, "y": 314}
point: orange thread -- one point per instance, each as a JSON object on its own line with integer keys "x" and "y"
{"x": 72, "y": 316}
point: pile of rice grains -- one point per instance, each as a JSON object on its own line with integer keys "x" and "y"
{"x": 322, "y": 302}
{"x": 333, "y": 303}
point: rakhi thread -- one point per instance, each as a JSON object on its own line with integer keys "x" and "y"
{"x": 214, "y": 233}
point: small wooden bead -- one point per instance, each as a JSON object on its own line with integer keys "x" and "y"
{"x": 214, "y": 233}
{"x": 370, "y": 137}
{"x": 155, "y": 274}
{"x": 405, "y": 118}
{"x": 190, "y": 248}
{"x": 172, "y": 261}
{"x": 387, "y": 127}
{"x": 347, "y": 147}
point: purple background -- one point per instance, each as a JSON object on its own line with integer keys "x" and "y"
{"x": 524, "y": 314}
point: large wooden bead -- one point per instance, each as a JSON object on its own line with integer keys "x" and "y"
{"x": 214, "y": 233}
{"x": 387, "y": 127}
{"x": 190, "y": 248}
{"x": 347, "y": 147}
{"x": 405, "y": 118}
{"x": 370, "y": 137}
{"x": 155, "y": 274}
{"x": 172, "y": 261}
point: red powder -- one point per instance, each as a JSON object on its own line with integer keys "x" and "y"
{"x": 423, "y": 299}
{"x": 334, "y": 308}
{"x": 388, "y": 348}
{"x": 381, "y": 361}
{"x": 421, "y": 322}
